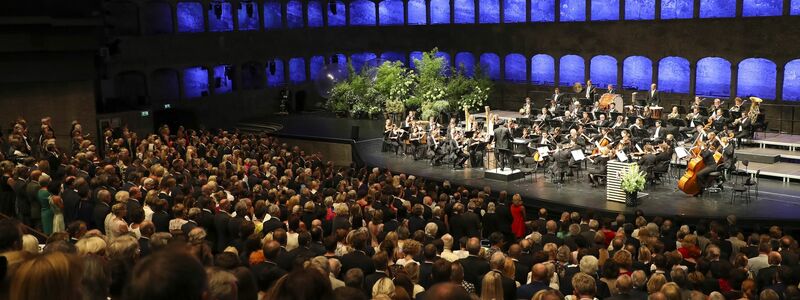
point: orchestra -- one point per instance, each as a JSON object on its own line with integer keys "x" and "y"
{"x": 548, "y": 135}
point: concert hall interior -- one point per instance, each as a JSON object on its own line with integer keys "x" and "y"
{"x": 679, "y": 110}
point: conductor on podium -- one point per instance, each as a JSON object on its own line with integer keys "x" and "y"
{"x": 502, "y": 137}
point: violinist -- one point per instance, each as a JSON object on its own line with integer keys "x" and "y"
{"x": 410, "y": 118}
{"x": 600, "y": 160}
{"x": 396, "y": 138}
{"x": 647, "y": 161}
{"x": 625, "y": 144}
{"x": 585, "y": 119}
{"x": 432, "y": 124}
{"x": 619, "y": 123}
{"x": 582, "y": 140}
{"x": 695, "y": 117}
{"x": 437, "y": 146}
{"x": 460, "y": 144}
{"x": 601, "y": 121}
{"x": 418, "y": 138}
{"x": 638, "y": 125}
{"x": 544, "y": 116}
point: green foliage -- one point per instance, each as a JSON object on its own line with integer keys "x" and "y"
{"x": 396, "y": 88}
{"x": 633, "y": 180}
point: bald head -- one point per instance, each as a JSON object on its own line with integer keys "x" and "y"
{"x": 539, "y": 272}
{"x": 514, "y": 250}
{"x": 774, "y": 258}
{"x": 551, "y": 226}
{"x": 474, "y": 246}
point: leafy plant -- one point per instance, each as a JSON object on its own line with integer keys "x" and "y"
{"x": 633, "y": 180}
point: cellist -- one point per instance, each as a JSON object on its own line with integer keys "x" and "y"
{"x": 707, "y": 153}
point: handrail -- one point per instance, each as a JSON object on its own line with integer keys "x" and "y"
{"x": 41, "y": 236}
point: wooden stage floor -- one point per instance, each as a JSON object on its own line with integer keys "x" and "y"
{"x": 777, "y": 201}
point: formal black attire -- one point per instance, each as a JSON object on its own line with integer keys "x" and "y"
{"x": 502, "y": 146}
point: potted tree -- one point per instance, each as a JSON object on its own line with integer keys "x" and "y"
{"x": 632, "y": 183}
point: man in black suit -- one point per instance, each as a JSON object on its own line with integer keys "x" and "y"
{"x": 539, "y": 282}
{"x": 302, "y": 253}
{"x": 206, "y": 220}
{"x": 221, "y": 220}
{"x": 415, "y": 221}
{"x": 147, "y": 229}
{"x": 766, "y": 276}
{"x": 268, "y": 272}
{"x": 474, "y": 266}
{"x": 426, "y": 267}
{"x": 788, "y": 256}
{"x": 160, "y": 217}
{"x": 35, "y": 212}
{"x": 381, "y": 262}
{"x": 558, "y": 97}
{"x": 470, "y": 221}
{"x": 502, "y": 145}
{"x": 358, "y": 258}
{"x": 590, "y": 91}
{"x": 550, "y": 236}
{"x": 653, "y": 97}
{"x": 101, "y": 210}
{"x": 71, "y": 199}
{"x": 496, "y": 263}
{"x": 521, "y": 270}
{"x": 744, "y": 128}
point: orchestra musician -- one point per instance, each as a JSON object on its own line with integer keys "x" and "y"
{"x": 716, "y": 106}
{"x": 718, "y": 120}
{"x": 707, "y": 153}
{"x": 460, "y": 144}
{"x": 698, "y": 103}
{"x": 589, "y": 92}
{"x": 653, "y": 97}
{"x": 410, "y": 118}
{"x": 647, "y": 161}
{"x": 557, "y": 96}
{"x": 657, "y": 133}
{"x": 674, "y": 114}
{"x": 728, "y": 154}
{"x": 600, "y": 160}
{"x": 437, "y": 147}
{"x": 527, "y": 107}
{"x": 736, "y": 110}
{"x": 694, "y": 118}
{"x": 744, "y": 124}
{"x": 610, "y": 89}
{"x": 418, "y": 138}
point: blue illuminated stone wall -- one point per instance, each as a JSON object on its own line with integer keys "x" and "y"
{"x": 164, "y": 83}
{"x": 571, "y": 69}
{"x": 414, "y": 56}
{"x": 220, "y": 18}
{"x": 315, "y": 13}
{"x": 252, "y": 76}
{"x": 516, "y": 67}
{"x": 391, "y": 12}
{"x": 464, "y": 11}
{"x": 274, "y": 72}
{"x": 272, "y": 15}
{"x": 223, "y": 81}
{"x": 791, "y": 81}
{"x": 637, "y": 73}
{"x": 762, "y": 8}
{"x": 417, "y": 14}
{"x": 294, "y": 14}
{"x": 190, "y": 17}
{"x": 756, "y": 77}
{"x": 157, "y": 18}
{"x": 315, "y": 64}
{"x": 640, "y": 9}
{"x": 337, "y": 17}
{"x": 339, "y": 59}
{"x": 440, "y": 12}
{"x": 605, "y": 10}
{"x": 543, "y": 11}
{"x": 362, "y": 13}
{"x": 717, "y": 8}
{"x": 677, "y": 9}
{"x": 465, "y": 62}
{"x": 673, "y": 75}
{"x": 394, "y": 56}
{"x": 248, "y": 16}
{"x": 490, "y": 63}
{"x": 542, "y": 69}
{"x": 489, "y": 11}
{"x": 297, "y": 70}
{"x": 359, "y": 59}
{"x": 195, "y": 82}
{"x": 572, "y": 10}
{"x": 795, "y": 8}
{"x": 603, "y": 70}
{"x": 713, "y": 77}
{"x": 514, "y": 11}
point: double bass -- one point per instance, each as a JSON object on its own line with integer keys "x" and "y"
{"x": 688, "y": 182}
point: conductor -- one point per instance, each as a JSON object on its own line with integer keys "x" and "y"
{"x": 502, "y": 137}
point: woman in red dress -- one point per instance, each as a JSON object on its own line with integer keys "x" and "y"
{"x": 518, "y": 216}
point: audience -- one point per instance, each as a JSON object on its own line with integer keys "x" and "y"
{"x": 197, "y": 214}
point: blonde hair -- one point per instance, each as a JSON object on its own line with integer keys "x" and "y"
{"x": 51, "y": 276}
{"x": 492, "y": 286}
{"x": 30, "y": 243}
{"x": 383, "y": 286}
{"x": 655, "y": 283}
{"x": 509, "y": 270}
{"x": 93, "y": 245}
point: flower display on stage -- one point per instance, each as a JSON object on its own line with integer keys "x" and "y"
{"x": 633, "y": 180}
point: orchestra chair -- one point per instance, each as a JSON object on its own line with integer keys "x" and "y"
{"x": 752, "y": 183}
{"x": 741, "y": 183}
{"x": 712, "y": 177}
{"x": 659, "y": 176}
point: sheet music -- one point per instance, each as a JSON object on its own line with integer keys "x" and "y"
{"x": 681, "y": 152}
{"x": 577, "y": 155}
{"x": 543, "y": 151}
{"x": 621, "y": 156}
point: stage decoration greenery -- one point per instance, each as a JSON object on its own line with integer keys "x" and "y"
{"x": 393, "y": 88}
{"x": 633, "y": 180}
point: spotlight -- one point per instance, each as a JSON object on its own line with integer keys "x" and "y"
{"x": 332, "y": 6}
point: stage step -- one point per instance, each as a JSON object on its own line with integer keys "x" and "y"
{"x": 767, "y": 155}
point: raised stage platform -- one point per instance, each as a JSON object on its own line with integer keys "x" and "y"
{"x": 778, "y": 200}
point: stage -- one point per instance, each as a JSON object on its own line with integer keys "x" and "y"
{"x": 777, "y": 200}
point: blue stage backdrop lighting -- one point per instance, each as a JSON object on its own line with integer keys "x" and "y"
{"x": 542, "y": 69}
{"x": 673, "y": 75}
